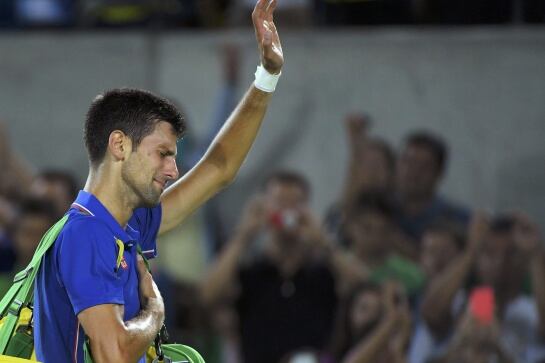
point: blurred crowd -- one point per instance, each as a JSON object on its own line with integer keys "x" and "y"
{"x": 28, "y": 14}
{"x": 394, "y": 272}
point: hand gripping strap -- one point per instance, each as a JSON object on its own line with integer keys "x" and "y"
{"x": 20, "y": 294}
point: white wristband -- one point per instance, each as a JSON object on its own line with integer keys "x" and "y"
{"x": 264, "y": 80}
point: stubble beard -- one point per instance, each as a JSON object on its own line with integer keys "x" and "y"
{"x": 145, "y": 194}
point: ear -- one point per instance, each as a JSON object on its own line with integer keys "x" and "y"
{"x": 119, "y": 145}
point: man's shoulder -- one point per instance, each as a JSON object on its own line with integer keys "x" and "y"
{"x": 78, "y": 223}
{"x": 83, "y": 230}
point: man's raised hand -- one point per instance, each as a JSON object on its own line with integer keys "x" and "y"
{"x": 268, "y": 41}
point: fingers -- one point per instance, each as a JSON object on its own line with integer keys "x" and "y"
{"x": 270, "y": 7}
{"x": 261, "y": 5}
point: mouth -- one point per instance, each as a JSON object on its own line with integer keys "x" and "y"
{"x": 161, "y": 185}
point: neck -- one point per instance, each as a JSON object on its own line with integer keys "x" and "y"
{"x": 287, "y": 257}
{"x": 110, "y": 191}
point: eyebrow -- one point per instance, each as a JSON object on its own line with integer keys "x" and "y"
{"x": 167, "y": 150}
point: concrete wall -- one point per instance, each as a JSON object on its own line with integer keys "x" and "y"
{"x": 482, "y": 88}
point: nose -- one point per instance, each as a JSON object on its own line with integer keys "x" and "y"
{"x": 171, "y": 169}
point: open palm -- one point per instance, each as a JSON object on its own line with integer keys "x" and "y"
{"x": 268, "y": 40}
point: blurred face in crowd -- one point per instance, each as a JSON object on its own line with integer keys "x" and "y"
{"x": 285, "y": 201}
{"x": 492, "y": 257}
{"x": 27, "y": 234}
{"x": 53, "y": 191}
{"x": 417, "y": 172}
{"x": 376, "y": 172}
{"x": 437, "y": 251}
{"x": 370, "y": 233}
{"x": 365, "y": 313}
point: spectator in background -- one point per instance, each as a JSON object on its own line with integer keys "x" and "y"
{"x": 420, "y": 168}
{"x": 441, "y": 243}
{"x": 370, "y": 228}
{"x": 373, "y": 326}
{"x": 286, "y": 294}
{"x": 370, "y": 170}
{"x": 59, "y": 187}
{"x": 15, "y": 178}
{"x": 33, "y": 219}
{"x": 493, "y": 254}
{"x": 476, "y": 342}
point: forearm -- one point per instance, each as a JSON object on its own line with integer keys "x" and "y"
{"x": 121, "y": 341}
{"x": 353, "y": 174}
{"x": 441, "y": 291}
{"x": 367, "y": 350}
{"x": 537, "y": 270}
{"x": 143, "y": 329}
{"x": 230, "y": 147}
{"x": 222, "y": 273}
{"x": 348, "y": 268}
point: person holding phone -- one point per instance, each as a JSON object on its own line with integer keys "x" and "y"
{"x": 285, "y": 288}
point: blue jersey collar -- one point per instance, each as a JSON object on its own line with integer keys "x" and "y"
{"x": 88, "y": 203}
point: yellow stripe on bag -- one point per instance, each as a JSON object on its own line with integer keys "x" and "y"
{"x": 6, "y": 359}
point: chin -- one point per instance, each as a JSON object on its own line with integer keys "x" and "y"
{"x": 150, "y": 200}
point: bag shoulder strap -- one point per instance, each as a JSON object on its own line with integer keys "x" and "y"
{"x": 20, "y": 294}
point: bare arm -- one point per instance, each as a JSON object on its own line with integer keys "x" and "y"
{"x": 221, "y": 275}
{"x": 441, "y": 291}
{"x": 368, "y": 350}
{"x": 124, "y": 341}
{"x": 356, "y": 129}
{"x": 225, "y": 155}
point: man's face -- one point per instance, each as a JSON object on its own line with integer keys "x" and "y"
{"x": 54, "y": 191}
{"x": 438, "y": 249}
{"x": 285, "y": 200}
{"x": 365, "y": 313}
{"x": 149, "y": 167}
{"x": 417, "y": 172}
{"x": 370, "y": 233}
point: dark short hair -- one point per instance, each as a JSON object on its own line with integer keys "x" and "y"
{"x": 132, "y": 111}
{"x": 64, "y": 177}
{"x": 289, "y": 177}
{"x": 433, "y": 143}
{"x": 379, "y": 203}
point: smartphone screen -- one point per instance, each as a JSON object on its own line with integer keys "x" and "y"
{"x": 482, "y": 304}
